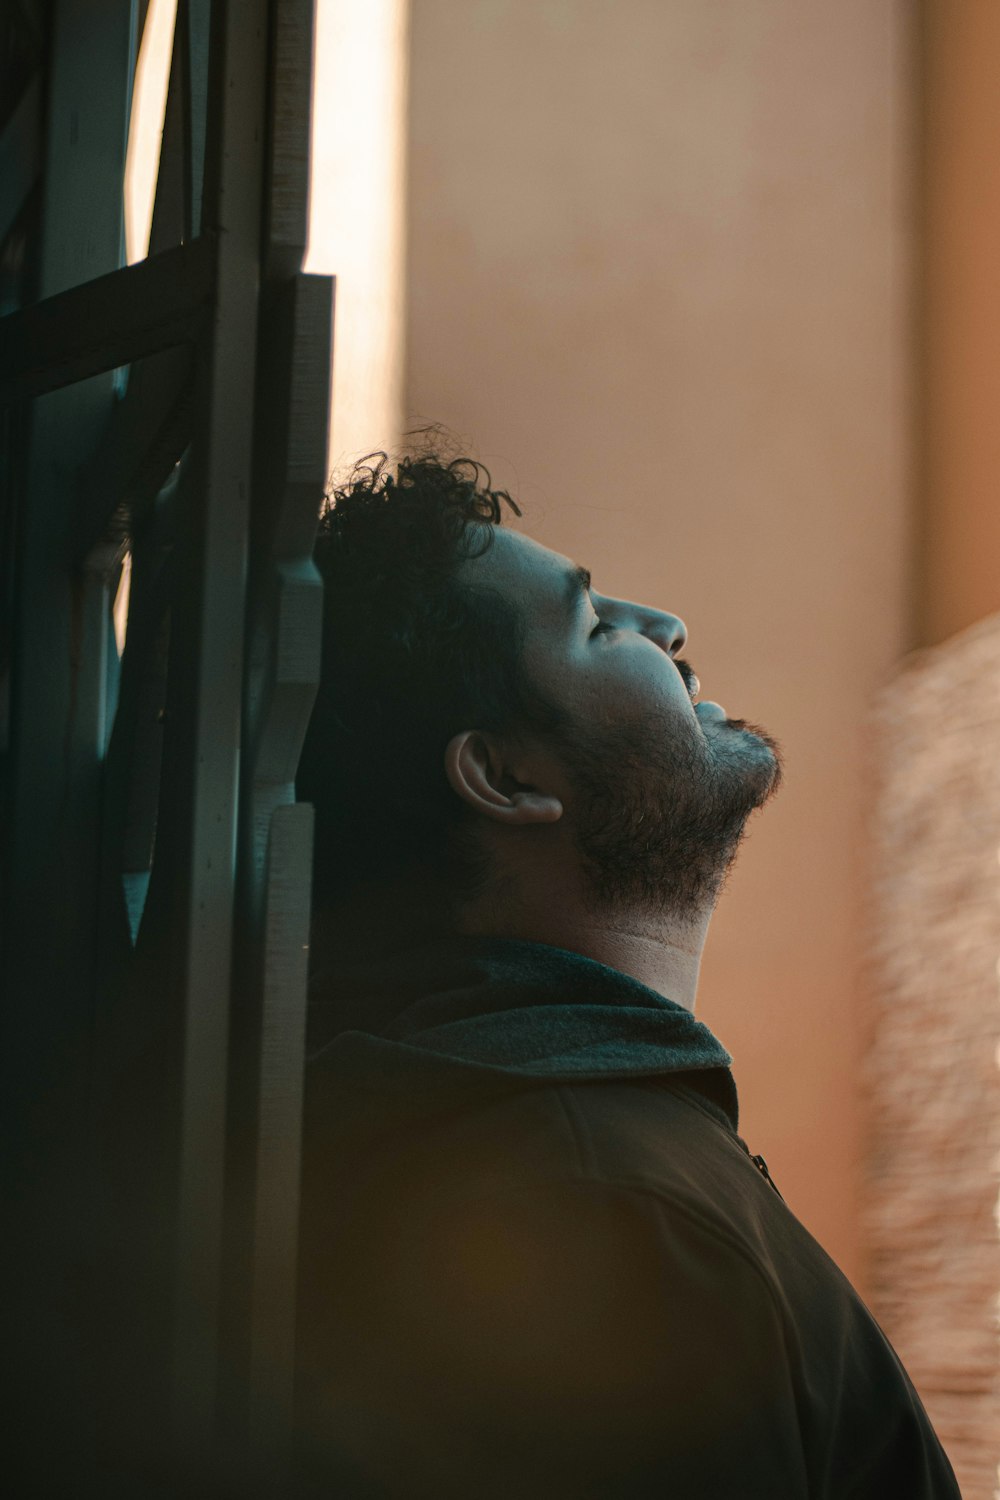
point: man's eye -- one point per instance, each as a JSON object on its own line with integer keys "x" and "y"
{"x": 601, "y": 625}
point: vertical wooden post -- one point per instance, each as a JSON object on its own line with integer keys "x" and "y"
{"x": 156, "y": 848}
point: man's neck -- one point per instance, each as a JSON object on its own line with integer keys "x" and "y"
{"x": 666, "y": 958}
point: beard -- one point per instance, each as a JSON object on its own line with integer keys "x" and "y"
{"x": 660, "y": 806}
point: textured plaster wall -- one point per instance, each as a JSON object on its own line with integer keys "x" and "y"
{"x": 934, "y": 1029}
{"x": 658, "y": 278}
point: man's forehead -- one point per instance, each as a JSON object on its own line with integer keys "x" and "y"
{"x": 522, "y": 567}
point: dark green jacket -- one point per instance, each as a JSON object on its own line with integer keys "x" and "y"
{"x": 539, "y": 1262}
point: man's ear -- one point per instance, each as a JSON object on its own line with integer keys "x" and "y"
{"x": 475, "y": 770}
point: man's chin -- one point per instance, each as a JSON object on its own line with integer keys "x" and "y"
{"x": 775, "y": 758}
{"x": 758, "y": 754}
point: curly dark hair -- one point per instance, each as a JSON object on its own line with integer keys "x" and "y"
{"x": 411, "y": 657}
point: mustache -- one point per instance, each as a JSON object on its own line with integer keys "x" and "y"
{"x": 688, "y": 675}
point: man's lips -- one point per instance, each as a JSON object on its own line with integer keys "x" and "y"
{"x": 689, "y": 677}
{"x": 706, "y": 709}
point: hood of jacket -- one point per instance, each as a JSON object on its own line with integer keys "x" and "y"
{"x": 437, "y": 1026}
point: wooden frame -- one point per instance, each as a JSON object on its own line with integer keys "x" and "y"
{"x": 158, "y": 869}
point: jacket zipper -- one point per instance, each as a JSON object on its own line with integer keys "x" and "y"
{"x": 758, "y": 1161}
{"x": 761, "y": 1166}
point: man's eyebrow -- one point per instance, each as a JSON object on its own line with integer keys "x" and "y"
{"x": 577, "y": 583}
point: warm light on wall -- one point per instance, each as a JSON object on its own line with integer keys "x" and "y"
{"x": 356, "y": 227}
{"x": 119, "y": 610}
{"x": 142, "y": 164}
{"x": 149, "y": 102}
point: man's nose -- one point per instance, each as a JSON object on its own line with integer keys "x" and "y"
{"x": 668, "y": 631}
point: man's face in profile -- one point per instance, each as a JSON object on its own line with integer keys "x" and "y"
{"x": 657, "y": 788}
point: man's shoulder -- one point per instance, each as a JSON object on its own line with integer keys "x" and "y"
{"x": 598, "y": 1269}
{"x": 654, "y": 1152}
{"x": 661, "y": 1136}
{"x": 568, "y": 1328}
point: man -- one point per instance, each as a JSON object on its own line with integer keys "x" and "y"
{"x": 538, "y": 1260}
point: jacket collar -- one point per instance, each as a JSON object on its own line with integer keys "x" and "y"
{"x": 438, "y": 1023}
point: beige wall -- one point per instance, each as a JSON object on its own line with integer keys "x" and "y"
{"x": 658, "y": 280}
